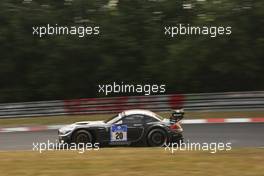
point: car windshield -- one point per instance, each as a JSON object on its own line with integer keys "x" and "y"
{"x": 113, "y": 119}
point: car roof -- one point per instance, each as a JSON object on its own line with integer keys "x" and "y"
{"x": 140, "y": 111}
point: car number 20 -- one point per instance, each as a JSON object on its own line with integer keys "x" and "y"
{"x": 118, "y": 133}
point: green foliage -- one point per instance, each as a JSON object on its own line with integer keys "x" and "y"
{"x": 131, "y": 47}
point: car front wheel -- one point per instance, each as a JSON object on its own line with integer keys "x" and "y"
{"x": 82, "y": 136}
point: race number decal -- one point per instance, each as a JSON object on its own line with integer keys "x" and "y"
{"x": 118, "y": 133}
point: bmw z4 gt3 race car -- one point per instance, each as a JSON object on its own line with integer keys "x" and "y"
{"x": 131, "y": 127}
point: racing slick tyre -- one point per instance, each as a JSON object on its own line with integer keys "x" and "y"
{"x": 82, "y": 136}
{"x": 156, "y": 138}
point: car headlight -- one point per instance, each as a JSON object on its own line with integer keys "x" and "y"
{"x": 64, "y": 132}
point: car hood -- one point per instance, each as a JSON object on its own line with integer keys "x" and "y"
{"x": 81, "y": 124}
{"x": 89, "y": 123}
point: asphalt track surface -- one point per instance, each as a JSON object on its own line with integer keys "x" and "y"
{"x": 239, "y": 134}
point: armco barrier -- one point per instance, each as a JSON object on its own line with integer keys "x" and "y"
{"x": 117, "y": 104}
{"x": 191, "y": 102}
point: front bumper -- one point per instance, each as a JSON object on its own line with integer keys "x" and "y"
{"x": 64, "y": 138}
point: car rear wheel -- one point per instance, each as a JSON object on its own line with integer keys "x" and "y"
{"x": 82, "y": 136}
{"x": 157, "y": 138}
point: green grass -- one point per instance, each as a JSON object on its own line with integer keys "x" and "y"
{"x": 131, "y": 162}
{"x": 74, "y": 118}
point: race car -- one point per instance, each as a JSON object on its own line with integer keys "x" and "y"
{"x": 130, "y": 127}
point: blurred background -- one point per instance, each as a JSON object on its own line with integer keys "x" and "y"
{"x": 131, "y": 47}
{"x": 219, "y": 81}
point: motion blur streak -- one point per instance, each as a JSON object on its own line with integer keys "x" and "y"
{"x": 240, "y": 135}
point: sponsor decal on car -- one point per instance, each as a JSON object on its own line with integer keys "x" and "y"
{"x": 118, "y": 133}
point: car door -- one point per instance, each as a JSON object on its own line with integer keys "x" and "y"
{"x": 135, "y": 127}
